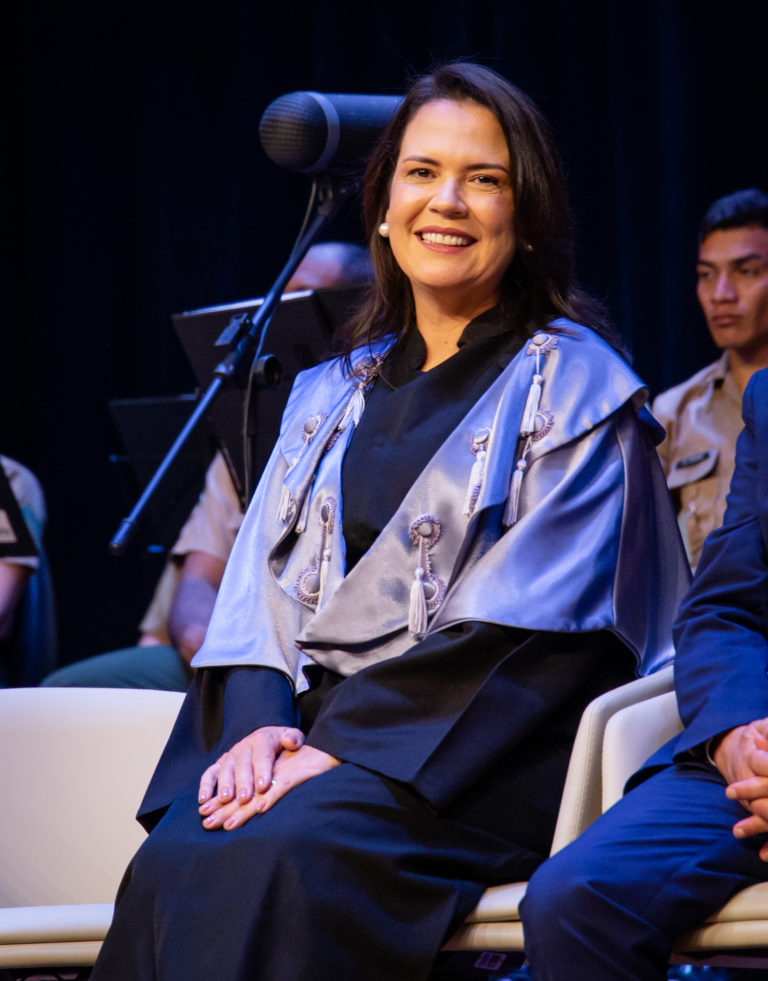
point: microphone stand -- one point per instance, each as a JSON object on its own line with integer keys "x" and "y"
{"x": 245, "y": 357}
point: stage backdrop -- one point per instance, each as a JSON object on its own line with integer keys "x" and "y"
{"x": 134, "y": 186}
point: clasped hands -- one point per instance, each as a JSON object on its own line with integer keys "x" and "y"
{"x": 742, "y": 758}
{"x": 256, "y": 773}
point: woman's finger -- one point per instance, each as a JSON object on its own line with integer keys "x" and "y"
{"x": 293, "y": 768}
{"x": 221, "y": 813}
{"x": 208, "y": 783}
{"x": 225, "y": 783}
{"x": 243, "y": 770}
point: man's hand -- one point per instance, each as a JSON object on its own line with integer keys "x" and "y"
{"x": 256, "y": 773}
{"x": 742, "y": 758}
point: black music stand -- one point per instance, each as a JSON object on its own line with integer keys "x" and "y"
{"x": 299, "y": 336}
{"x": 147, "y": 428}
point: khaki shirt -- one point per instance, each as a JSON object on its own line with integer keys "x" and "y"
{"x": 210, "y": 528}
{"x": 702, "y": 417}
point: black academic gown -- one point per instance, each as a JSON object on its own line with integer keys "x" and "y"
{"x": 365, "y": 870}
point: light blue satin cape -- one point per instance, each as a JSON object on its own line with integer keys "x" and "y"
{"x": 584, "y": 539}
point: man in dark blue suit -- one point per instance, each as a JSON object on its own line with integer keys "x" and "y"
{"x": 694, "y": 830}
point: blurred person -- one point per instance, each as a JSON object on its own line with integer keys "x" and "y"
{"x": 27, "y": 620}
{"x": 692, "y": 829}
{"x": 702, "y": 416}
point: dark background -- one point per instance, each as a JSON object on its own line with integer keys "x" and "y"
{"x": 134, "y": 186}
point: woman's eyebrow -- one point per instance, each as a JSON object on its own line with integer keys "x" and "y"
{"x": 416, "y": 158}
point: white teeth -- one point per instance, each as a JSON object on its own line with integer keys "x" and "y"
{"x": 436, "y": 238}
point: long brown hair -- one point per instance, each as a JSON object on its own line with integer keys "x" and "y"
{"x": 539, "y": 283}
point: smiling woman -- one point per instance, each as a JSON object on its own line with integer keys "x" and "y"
{"x": 450, "y": 218}
{"x": 445, "y": 560}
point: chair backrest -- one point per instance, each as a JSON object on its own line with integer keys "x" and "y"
{"x": 74, "y": 765}
{"x": 582, "y": 800}
{"x": 632, "y": 735}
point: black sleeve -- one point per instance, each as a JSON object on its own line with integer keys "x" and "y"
{"x": 443, "y": 714}
{"x": 222, "y": 706}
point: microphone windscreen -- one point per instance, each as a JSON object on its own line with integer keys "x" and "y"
{"x": 315, "y": 132}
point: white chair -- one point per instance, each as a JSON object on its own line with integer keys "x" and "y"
{"x": 618, "y": 732}
{"x": 74, "y": 765}
{"x": 495, "y": 923}
{"x": 737, "y": 935}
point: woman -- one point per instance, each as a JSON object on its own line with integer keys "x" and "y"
{"x": 432, "y": 581}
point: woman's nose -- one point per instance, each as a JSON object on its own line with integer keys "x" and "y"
{"x": 447, "y": 198}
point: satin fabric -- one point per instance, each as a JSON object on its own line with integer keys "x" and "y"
{"x": 592, "y": 487}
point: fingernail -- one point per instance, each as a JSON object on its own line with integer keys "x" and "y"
{"x": 230, "y": 823}
{"x": 224, "y": 793}
{"x": 262, "y": 783}
{"x": 208, "y": 820}
{"x": 243, "y": 793}
{"x": 202, "y": 798}
{"x": 738, "y": 832}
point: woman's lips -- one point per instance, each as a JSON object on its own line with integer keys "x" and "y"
{"x": 451, "y": 238}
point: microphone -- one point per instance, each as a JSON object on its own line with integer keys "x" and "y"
{"x": 321, "y": 133}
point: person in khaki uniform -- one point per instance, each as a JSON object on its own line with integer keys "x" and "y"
{"x": 702, "y": 416}
{"x": 28, "y": 637}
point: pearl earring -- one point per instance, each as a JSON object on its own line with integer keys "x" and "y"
{"x": 384, "y": 229}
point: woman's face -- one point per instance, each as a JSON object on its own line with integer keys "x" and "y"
{"x": 451, "y": 205}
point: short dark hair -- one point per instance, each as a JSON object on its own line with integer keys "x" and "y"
{"x": 747, "y": 207}
{"x": 539, "y": 283}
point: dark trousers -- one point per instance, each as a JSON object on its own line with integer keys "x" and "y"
{"x": 610, "y": 905}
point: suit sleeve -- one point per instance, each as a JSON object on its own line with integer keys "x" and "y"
{"x": 721, "y": 668}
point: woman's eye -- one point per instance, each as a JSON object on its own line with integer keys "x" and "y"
{"x": 420, "y": 172}
{"x": 486, "y": 180}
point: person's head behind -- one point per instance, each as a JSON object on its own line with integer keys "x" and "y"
{"x": 737, "y": 210}
{"x": 539, "y": 280}
{"x": 332, "y": 265}
{"x": 732, "y": 273}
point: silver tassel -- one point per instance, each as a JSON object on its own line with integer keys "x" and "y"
{"x": 475, "y": 482}
{"x": 531, "y": 406}
{"x": 417, "y": 613}
{"x": 325, "y": 565}
{"x": 355, "y": 406}
{"x": 513, "y": 501}
{"x": 284, "y": 505}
